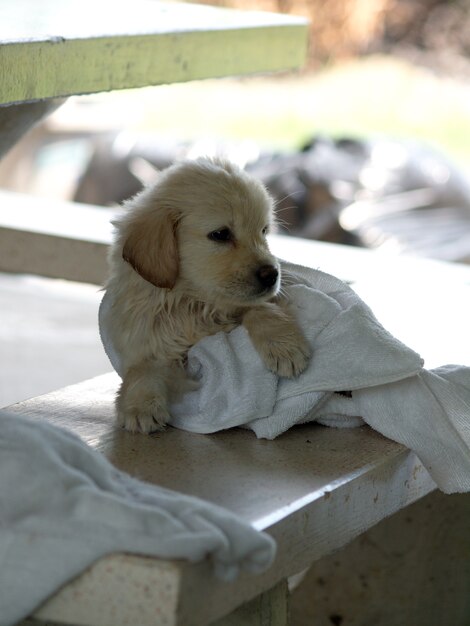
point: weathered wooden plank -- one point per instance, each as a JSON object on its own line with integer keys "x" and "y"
{"x": 314, "y": 489}
{"x": 53, "y": 238}
{"x": 62, "y": 50}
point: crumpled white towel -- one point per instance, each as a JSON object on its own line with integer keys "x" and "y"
{"x": 63, "y": 506}
{"x": 427, "y": 411}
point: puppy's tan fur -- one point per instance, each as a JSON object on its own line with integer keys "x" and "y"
{"x": 172, "y": 284}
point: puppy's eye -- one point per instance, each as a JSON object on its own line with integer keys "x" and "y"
{"x": 265, "y": 230}
{"x": 223, "y": 235}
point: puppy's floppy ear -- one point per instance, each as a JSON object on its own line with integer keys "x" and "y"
{"x": 151, "y": 247}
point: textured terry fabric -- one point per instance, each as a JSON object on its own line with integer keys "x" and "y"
{"x": 63, "y": 506}
{"x": 428, "y": 411}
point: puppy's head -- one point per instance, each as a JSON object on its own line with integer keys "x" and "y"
{"x": 202, "y": 230}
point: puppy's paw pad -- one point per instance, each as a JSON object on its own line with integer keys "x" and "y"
{"x": 286, "y": 359}
{"x": 146, "y": 419}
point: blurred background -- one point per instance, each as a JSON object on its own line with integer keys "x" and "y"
{"x": 368, "y": 146}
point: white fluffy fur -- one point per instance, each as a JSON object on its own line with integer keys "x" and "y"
{"x": 172, "y": 285}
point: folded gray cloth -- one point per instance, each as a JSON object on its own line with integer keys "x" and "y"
{"x": 63, "y": 506}
{"x": 388, "y": 388}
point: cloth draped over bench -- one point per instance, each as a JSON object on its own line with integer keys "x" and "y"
{"x": 387, "y": 386}
{"x": 63, "y": 506}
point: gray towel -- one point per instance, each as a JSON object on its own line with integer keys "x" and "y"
{"x": 63, "y": 506}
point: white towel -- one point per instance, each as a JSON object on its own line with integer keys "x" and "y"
{"x": 428, "y": 411}
{"x": 63, "y": 506}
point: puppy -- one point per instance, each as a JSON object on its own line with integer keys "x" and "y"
{"x": 190, "y": 259}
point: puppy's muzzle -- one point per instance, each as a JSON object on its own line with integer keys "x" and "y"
{"x": 267, "y": 276}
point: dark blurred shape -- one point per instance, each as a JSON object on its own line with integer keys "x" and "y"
{"x": 121, "y": 163}
{"x": 433, "y": 33}
{"x": 429, "y": 24}
{"x": 400, "y": 194}
{"x": 312, "y": 186}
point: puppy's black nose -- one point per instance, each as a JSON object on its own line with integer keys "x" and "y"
{"x": 267, "y": 275}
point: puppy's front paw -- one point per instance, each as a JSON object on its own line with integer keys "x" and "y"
{"x": 278, "y": 340}
{"x": 285, "y": 357}
{"x": 145, "y": 417}
{"x": 141, "y": 402}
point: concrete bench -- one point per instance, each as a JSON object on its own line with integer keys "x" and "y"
{"x": 314, "y": 490}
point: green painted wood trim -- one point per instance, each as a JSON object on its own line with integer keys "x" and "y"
{"x": 47, "y": 69}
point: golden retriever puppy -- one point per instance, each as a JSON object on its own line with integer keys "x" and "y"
{"x": 190, "y": 259}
